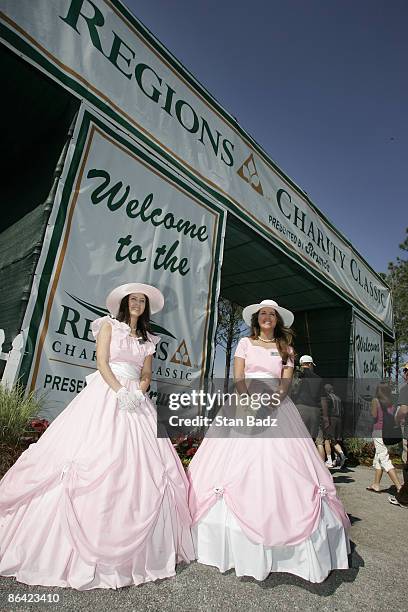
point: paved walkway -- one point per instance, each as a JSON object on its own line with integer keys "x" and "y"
{"x": 377, "y": 579}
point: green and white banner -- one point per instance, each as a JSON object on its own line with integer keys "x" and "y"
{"x": 120, "y": 216}
{"x": 368, "y": 351}
{"x": 368, "y": 371}
{"x": 100, "y": 51}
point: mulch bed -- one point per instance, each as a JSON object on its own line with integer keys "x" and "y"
{"x": 9, "y": 455}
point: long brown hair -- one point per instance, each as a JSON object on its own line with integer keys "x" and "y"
{"x": 143, "y": 322}
{"x": 283, "y": 335}
{"x": 383, "y": 393}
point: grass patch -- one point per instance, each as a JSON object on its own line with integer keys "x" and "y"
{"x": 19, "y": 425}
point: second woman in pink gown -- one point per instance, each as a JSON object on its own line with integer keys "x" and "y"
{"x": 266, "y": 503}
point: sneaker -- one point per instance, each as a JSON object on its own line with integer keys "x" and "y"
{"x": 342, "y": 460}
{"x": 393, "y": 500}
{"x": 329, "y": 463}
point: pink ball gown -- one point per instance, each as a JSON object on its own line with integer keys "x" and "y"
{"x": 267, "y": 503}
{"x": 99, "y": 501}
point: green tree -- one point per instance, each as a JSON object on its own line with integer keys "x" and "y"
{"x": 228, "y": 331}
{"x": 397, "y": 279}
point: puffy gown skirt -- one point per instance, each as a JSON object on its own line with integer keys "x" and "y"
{"x": 98, "y": 502}
{"x": 267, "y": 503}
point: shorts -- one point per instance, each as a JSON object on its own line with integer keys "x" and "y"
{"x": 334, "y": 430}
{"x": 311, "y": 418}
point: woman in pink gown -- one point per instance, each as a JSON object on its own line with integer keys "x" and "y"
{"x": 266, "y": 502}
{"x": 99, "y": 501}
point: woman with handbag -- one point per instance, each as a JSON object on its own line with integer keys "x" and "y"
{"x": 382, "y": 411}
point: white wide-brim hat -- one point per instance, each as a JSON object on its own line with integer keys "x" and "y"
{"x": 115, "y": 297}
{"x": 287, "y": 316}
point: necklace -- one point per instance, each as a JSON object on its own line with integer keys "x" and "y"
{"x": 266, "y": 341}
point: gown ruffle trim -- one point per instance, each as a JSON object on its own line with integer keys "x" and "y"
{"x": 200, "y": 510}
{"x": 121, "y": 331}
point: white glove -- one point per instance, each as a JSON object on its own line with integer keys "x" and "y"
{"x": 128, "y": 400}
{"x": 137, "y": 396}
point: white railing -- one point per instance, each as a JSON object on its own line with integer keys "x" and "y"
{"x": 12, "y": 359}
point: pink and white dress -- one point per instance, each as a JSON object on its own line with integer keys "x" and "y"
{"x": 99, "y": 501}
{"x": 267, "y": 504}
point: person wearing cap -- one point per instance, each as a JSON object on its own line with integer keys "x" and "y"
{"x": 308, "y": 395}
{"x": 100, "y": 501}
{"x": 266, "y": 503}
{"x": 401, "y": 417}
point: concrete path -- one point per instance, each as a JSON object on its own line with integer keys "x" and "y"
{"x": 376, "y": 580}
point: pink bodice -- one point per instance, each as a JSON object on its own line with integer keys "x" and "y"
{"x": 124, "y": 348}
{"x": 259, "y": 360}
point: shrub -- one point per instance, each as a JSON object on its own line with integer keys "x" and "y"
{"x": 17, "y": 412}
{"x": 359, "y": 450}
{"x": 186, "y": 447}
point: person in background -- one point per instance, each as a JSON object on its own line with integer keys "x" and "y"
{"x": 332, "y": 417}
{"x": 402, "y": 400}
{"x": 381, "y": 403}
{"x": 307, "y": 396}
{"x": 320, "y": 445}
{"x": 401, "y": 417}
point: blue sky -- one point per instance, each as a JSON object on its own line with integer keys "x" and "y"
{"x": 321, "y": 85}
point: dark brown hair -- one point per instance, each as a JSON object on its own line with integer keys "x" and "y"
{"x": 283, "y": 335}
{"x": 143, "y": 322}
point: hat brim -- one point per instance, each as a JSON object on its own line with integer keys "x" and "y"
{"x": 156, "y": 299}
{"x": 287, "y": 316}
